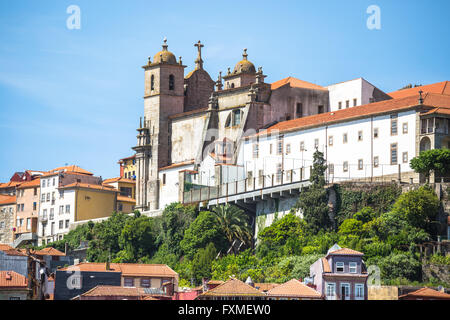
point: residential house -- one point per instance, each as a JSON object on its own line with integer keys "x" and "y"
{"x": 12, "y": 259}
{"x": 27, "y": 212}
{"x": 232, "y": 289}
{"x": 126, "y": 187}
{"x": 155, "y": 279}
{"x": 425, "y": 294}
{"x": 13, "y": 286}
{"x": 340, "y": 275}
{"x": 128, "y": 167}
{"x": 70, "y": 195}
{"x": 7, "y": 212}
{"x": 293, "y": 290}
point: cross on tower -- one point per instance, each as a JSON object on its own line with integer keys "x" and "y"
{"x": 199, "y": 61}
{"x": 245, "y": 55}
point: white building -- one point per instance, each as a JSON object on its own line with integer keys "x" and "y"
{"x": 354, "y": 93}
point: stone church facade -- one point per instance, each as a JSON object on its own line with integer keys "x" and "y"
{"x": 189, "y": 119}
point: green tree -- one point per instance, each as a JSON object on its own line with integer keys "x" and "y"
{"x": 435, "y": 160}
{"x": 280, "y": 231}
{"x": 174, "y": 221}
{"x": 313, "y": 201}
{"x": 420, "y": 207}
{"x": 233, "y": 223}
{"x": 351, "y": 227}
{"x": 201, "y": 264}
{"x": 137, "y": 240}
{"x": 399, "y": 266}
{"x": 203, "y": 230}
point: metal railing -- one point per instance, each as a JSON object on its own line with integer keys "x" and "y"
{"x": 205, "y": 193}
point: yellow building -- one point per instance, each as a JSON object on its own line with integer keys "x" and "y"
{"x": 126, "y": 187}
{"x": 128, "y": 167}
{"x": 125, "y": 204}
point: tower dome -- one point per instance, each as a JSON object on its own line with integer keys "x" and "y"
{"x": 244, "y": 66}
{"x": 165, "y": 55}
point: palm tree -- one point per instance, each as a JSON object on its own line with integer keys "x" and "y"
{"x": 234, "y": 223}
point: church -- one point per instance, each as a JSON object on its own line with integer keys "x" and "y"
{"x": 192, "y": 122}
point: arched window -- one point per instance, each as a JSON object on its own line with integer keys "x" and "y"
{"x": 171, "y": 82}
{"x": 232, "y": 86}
{"x": 152, "y": 82}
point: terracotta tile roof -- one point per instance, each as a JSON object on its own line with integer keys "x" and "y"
{"x": 30, "y": 184}
{"x": 263, "y": 287}
{"x": 89, "y": 186}
{"x": 149, "y": 298}
{"x": 5, "y": 247}
{"x": 7, "y": 200}
{"x": 49, "y": 252}
{"x": 127, "y": 269}
{"x": 126, "y": 199}
{"x": 296, "y": 83}
{"x": 119, "y": 179}
{"x": 294, "y": 288}
{"x": 438, "y": 111}
{"x": 178, "y": 164}
{"x": 109, "y": 291}
{"x": 386, "y": 106}
{"x": 439, "y": 88}
{"x": 11, "y": 279}
{"x": 9, "y": 184}
{"x": 325, "y": 265}
{"x": 233, "y": 287}
{"x": 10, "y": 251}
{"x": 68, "y": 169}
{"x": 346, "y": 251}
{"x": 213, "y": 282}
{"x": 127, "y": 158}
{"x": 427, "y": 293}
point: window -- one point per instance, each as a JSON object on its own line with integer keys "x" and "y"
{"x": 355, "y": 102}
{"x": 145, "y": 283}
{"x": 344, "y": 138}
{"x": 299, "y": 110}
{"x": 345, "y": 166}
{"x": 22, "y": 207}
{"x": 330, "y": 290}
{"x": 288, "y": 148}
{"x": 260, "y": 177}
{"x": 61, "y": 194}
{"x": 44, "y": 213}
{"x": 152, "y": 82}
{"x": 34, "y": 206}
{"x": 376, "y": 162}
{"x": 279, "y": 172}
{"x": 48, "y": 197}
{"x": 302, "y": 145}
{"x": 52, "y": 230}
{"x": 52, "y": 213}
{"x": 345, "y": 291}
{"x": 61, "y": 224}
{"x": 320, "y": 109}
{"x": 43, "y": 183}
{"x": 280, "y": 146}
{"x": 68, "y": 208}
{"x": 171, "y": 82}
{"x": 331, "y": 168}
{"x": 360, "y": 136}
{"x": 394, "y": 153}
{"x": 255, "y": 150}
{"x": 128, "y": 282}
{"x": 405, "y": 127}
{"x": 330, "y": 141}
{"x": 270, "y": 149}
{"x": 54, "y": 181}
{"x": 316, "y": 143}
{"x": 360, "y": 164}
{"x": 339, "y": 267}
{"x": 250, "y": 179}
{"x": 164, "y": 179}
{"x": 61, "y": 209}
{"x": 359, "y": 291}
{"x": 67, "y": 223}
{"x": 347, "y": 103}
{"x": 352, "y": 267}
{"x": 394, "y": 124}
{"x": 340, "y": 105}
{"x": 35, "y": 192}
{"x": 120, "y": 207}
{"x": 236, "y": 117}
{"x": 375, "y": 133}
{"x": 405, "y": 157}
{"x": 43, "y": 197}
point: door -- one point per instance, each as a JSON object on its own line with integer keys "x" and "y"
{"x": 345, "y": 291}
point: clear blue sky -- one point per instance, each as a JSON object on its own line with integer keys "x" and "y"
{"x": 75, "y": 96}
